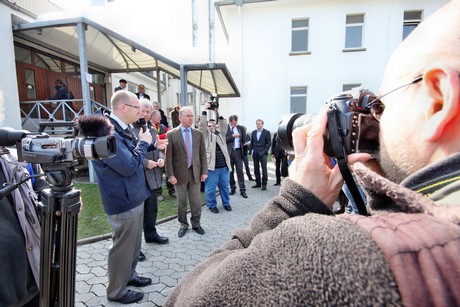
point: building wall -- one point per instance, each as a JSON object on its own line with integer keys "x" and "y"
{"x": 260, "y": 43}
{"x": 9, "y": 85}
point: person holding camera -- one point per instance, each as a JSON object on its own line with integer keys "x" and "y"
{"x": 218, "y": 159}
{"x": 123, "y": 188}
{"x": 297, "y": 252}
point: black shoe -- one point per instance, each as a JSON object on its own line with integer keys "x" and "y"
{"x": 173, "y": 195}
{"x": 214, "y": 210}
{"x": 199, "y": 230}
{"x": 244, "y": 194}
{"x": 251, "y": 179}
{"x": 256, "y": 186}
{"x": 129, "y": 297}
{"x": 140, "y": 282}
{"x": 228, "y": 208}
{"x": 264, "y": 187}
{"x": 277, "y": 183}
{"x": 141, "y": 256}
{"x": 232, "y": 192}
{"x": 156, "y": 238}
{"x": 182, "y": 232}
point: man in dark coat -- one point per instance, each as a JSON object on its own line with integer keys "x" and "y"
{"x": 235, "y": 137}
{"x": 63, "y": 92}
{"x": 260, "y": 145}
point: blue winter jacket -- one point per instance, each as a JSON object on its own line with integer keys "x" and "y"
{"x": 122, "y": 181}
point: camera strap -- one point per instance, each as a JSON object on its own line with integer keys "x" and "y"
{"x": 340, "y": 154}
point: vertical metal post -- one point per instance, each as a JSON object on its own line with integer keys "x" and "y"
{"x": 159, "y": 85}
{"x": 183, "y": 85}
{"x": 84, "y": 83}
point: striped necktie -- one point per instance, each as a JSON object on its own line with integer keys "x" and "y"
{"x": 188, "y": 148}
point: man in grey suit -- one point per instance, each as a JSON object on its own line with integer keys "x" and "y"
{"x": 260, "y": 145}
{"x": 186, "y": 168}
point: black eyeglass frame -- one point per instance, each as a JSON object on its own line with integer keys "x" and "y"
{"x": 130, "y": 105}
{"x": 377, "y": 105}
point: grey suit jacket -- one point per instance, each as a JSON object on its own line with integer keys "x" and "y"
{"x": 176, "y": 156}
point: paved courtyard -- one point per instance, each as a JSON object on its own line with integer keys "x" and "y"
{"x": 167, "y": 264}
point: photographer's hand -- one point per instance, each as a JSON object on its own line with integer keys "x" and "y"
{"x": 310, "y": 166}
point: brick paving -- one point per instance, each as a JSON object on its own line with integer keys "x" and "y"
{"x": 167, "y": 264}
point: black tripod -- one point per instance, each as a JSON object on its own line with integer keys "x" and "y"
{"x": 59, "y": 208}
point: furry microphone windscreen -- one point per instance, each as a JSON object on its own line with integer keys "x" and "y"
{"x": 94, "y": 126}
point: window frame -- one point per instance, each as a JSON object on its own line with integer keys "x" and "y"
{"x": 292, "y": 96}
{"x": 297, "y": 29}
{"x": 352, "y": 25}
{"x": 410, "y": 22}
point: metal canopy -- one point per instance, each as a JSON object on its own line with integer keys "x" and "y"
{"x": 114, "y": 53}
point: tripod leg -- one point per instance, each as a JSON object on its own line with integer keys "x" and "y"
{"x": 48, "y": 225}
{"x": 70, "y": 207}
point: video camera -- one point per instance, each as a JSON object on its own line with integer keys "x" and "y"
{"x": 44, "y": 149}
{"x": 358, "y": 130}
{"x": 41, "y": 148}
{"x": 214, "y": 103}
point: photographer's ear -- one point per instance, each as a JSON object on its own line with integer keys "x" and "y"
{"x": 442, "y": 86}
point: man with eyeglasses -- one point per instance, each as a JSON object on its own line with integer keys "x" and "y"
{"x": 296, "y": 252}
{"x": 124, "y": 189}
{"x": 218, "y": 159}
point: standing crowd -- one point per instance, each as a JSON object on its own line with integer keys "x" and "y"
{"x": 296, "y": 251}
{"x": 188, "y": 155}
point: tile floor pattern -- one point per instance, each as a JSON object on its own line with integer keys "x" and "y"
{"x": 167, "y": 264}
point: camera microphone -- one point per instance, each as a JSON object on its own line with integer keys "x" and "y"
{"x": 94, "y": 126}
{"x": 9, "y": 136}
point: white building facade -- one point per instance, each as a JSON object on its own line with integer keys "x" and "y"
{"x": 290, "y": 56}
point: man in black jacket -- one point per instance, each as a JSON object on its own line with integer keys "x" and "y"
{"x": 235, "y": 137}
{"x": 63, "y": 92}
{"x": 260, "y": 145}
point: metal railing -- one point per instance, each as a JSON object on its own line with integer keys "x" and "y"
{"x": 53, "y": 111}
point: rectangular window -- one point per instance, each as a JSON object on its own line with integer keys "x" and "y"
{"x": 298, "y": 99}
{"x": 411, "y": 20}
{"x": 354, "y": 31}
{"x": 299, "y": 37}
{"x": 30, "y": 84}
{"x": 347, "y": 87}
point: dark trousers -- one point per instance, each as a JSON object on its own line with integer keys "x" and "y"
{"x": 150, "y": 215}
{"x": 260, "y": 161}
{"x": 281, "y": 168}
{"x": 246, "y": 165}
{"x": 236, "y": 159}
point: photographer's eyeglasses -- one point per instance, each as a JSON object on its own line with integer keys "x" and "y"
{"x": 129, "y": 105}
{"x": 376, "y": 106}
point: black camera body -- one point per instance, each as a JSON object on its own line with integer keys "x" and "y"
{"x": 358, "y": 131}
{"x": 43, "y": 149}
{"x": 214, "y": 103}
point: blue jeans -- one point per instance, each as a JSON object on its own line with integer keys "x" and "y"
{"x": 217, "y": 178}
{"x": 352, "y": 208}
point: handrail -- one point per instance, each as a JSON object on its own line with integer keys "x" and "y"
{"x": 53, "y": 110}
